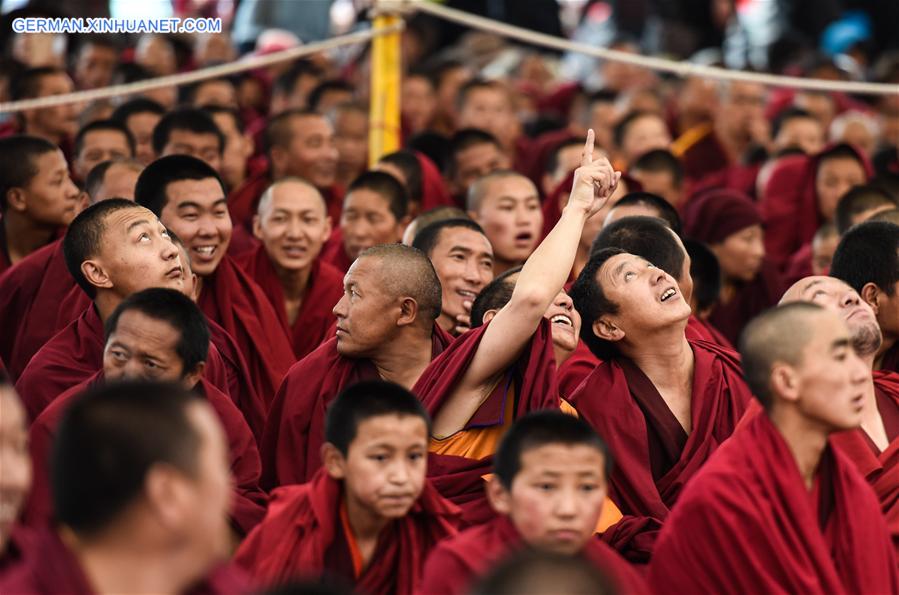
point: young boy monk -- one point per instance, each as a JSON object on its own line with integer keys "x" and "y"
{"x": 548, "y": 487}
{"x": 369, "y": 517}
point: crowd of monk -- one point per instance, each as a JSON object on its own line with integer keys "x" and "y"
{"x": 626, "y": 355}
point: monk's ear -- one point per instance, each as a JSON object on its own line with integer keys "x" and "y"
{"x": 16, "y": 199}
{"x": 95, "y": 274}
{"x": 257, "y": 227}
{"x": 408, "y": 312}
{"x": 871, "y": 294}
{"x": 167, "y": 495}
{"x": 333, "y": 461}
{"x": 193, "y": 377}
{"x": 607, "y": 330}
{"x": 498, "y": 496}
{"x": 785, "y": 381}
{"x": 489, "y": 315}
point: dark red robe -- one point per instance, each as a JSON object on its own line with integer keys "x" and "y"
{"x": 433, "y": 189}
{"x": 654, "y": 457}
{"x": 530, "y": 381}
{"x": 249, "y": 499}
{"x": 457, "y": 562}
{"x": 56, "y": 570}
{"x": 233, "y": 300}
{"x": 295, "y": 428}
{"x": 19, "y": 548}
{"x": 334, "y": 253}
{"x": 303, "y": 528}
{"x": 746, "y": 523}
{"x": 315, "y": 317}
{"x": 701, "y": 152}
{"x": 749, "y": 300}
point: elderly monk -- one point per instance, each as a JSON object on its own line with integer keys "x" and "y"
{"x": 188, "y": 196}
{"x": 292, "y": 225}
{"x": 806, "y": 519}
{"x": 386, "y": 328}
{"x": 157, "y": 334}
{"x": 164, "y": 529}
{"x": 874, "y": 447}
{"x": 667, "y": 401}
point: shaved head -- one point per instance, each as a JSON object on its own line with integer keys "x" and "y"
{"x": 288, "y": 185}
{"x": 407, "y": 272}
{"x": 838, "y": 297}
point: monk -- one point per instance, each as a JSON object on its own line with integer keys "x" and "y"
{"x": 861, "y": 203}
{"x": 16, "y": 541}
{"x": 113, "y": 179}
{"x": 874, "y": 447}
{"x": 526, "y": 326}
{"x": 867, "y": 259}
{"x": 375, "y": 211}
{"x": 820, "y": 529}
{"x": 548, "y": 487}
{"x": 157, "y": 334}
{"x": 531, "y": 571}
{"x": 189, "y": 131}
{"x": 188, "y": 196}
{"x": 473, "y": 153}
{"x": 386, "y": 328}
{"x": 369, "y": 517}
{"x": 130, "y": 536}
{"x": 140, "y": 116}
{"x": 99, "y": 141}
{"x": 638, "y": 133}
{"x": 668, "y": 401}
{"x": 463, "y": 258}
{"x": 37, "y": 196}
{"x": 506, "y": 205}
{"x": 661, "y": 173}
{"x": 292, "y": 225}
{"x": 645, "y": 204}
{"x": 428, "y": 217}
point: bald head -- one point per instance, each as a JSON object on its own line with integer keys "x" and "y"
{"x": 838, "y": 297}
{"x": 406, "y": 271}
{"x": 286, "y": 188}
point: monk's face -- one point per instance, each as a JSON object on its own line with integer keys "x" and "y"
{"x": 202, "y": 145}
{"x": 145, "y": 348}
{"x": 830, "y": 379}
{"x": 384, "y": 469}
{"x": 367, "y": 312}
{"x": 311, "y": 153}
{"x": 119, "y": 182}
{"x": 836, "y": 296}
{"x": 463, "y": 259}
{"x": 661, "y": 183}
{"x": 50, "y": 198}
{"x": 823, "y": 250}
{"x": 197, "y": 211}
{"x": 293, "y": 226}
{"x": 367, "y": 221}
{"x": 566, "y": 322}
{"x": 556, "y": 498}
{"x": 141, "y": 126}
{"x": 643, "y": 135}
{"x": 15, "y": 478}
{"x": 489, "y": 109}
{"x": 647, "y": 297}
{"x": 834, "y": 179}
{"x": 99, "y": 146}
{"x": 476, "y": 161}
{"x": 511, "y": 217}
{"x": 741, "y": 254}
{"x": 802, "y": 133}
{"x": 136, "y": 254}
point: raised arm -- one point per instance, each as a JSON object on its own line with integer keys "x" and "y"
{"x": 542, "y": 277}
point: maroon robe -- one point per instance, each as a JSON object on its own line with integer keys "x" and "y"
{"x": 249, "y": 501}
{"x": 315, "y": 317}
{"x": 233, "y": 300}
{"x": 701, "y": 152}
{"x": 457, "y": 562}
{"x": 572, "y": 372}
{"x": 750, "y": 300}
{"x": 654, "y": 456}
{"x": 295, "y": 428}
{"x": 433, "y": 189}
{"x": 530, "y": 381}
{"x": 334, "y": 253}
{"x": 303, "y": 525}
{"x": 74, "y": 355}
{"x": 56, "y": 570}
{"x": 19, "y": 548}
{"x": 747, "y": 523}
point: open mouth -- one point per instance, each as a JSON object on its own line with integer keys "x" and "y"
{"x": 294, "y": 251}
{"x": 524, "y": 236}
{"x": 206, "y": 252}
{"x": 668, "y": 294}
{"x": 562, "y": 319}
{"x": 468, "y": 295}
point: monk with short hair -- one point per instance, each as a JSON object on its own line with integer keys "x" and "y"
{"x": 777, "y": 508}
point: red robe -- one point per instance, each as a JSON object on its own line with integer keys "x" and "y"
{"x": 433, "y": 189}
{"x": 249, "y": 499}
{"x": 302, "y": 530}
{"x": 460, "y": 479}
{"x": 701, "y": 152}
{"x": 457, "y": 562}
{"x": 310, "y": 329}
{"x": 74, "y": 355}
{"x": 334, "y": 253}
{"x": 749, "y": 300}
{"x": 233, "y": 300}
{"x": 56, "y": 569}
{"x": 19, "y": 548}
{"x": 654, "y": 456}
{"x": 295, "y": 428}
{"x": 748, "y": 524}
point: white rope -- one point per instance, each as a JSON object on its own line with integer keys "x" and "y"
{"x": 197, "y": 75}
{"x": 682, "y": 69}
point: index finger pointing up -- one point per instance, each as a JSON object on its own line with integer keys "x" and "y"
{"x": 587, "y": 155}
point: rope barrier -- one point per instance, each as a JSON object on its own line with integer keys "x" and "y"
{"x": 197, "y": 75}
{"x": 682, "y": 69}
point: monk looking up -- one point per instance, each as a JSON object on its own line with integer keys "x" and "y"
{"x": 820, "y": 529}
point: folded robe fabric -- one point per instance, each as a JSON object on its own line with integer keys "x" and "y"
{"x": 747, "y": 523}
{"x": 654, "y": 457}
{"x": 457, "y": 562}
{"x": 249, "y": 502}
{"x": 295, "y": 428}
{"x": 303, "y": 521}
{"x": 315, "y": 317}
{"x": 460, "y": 479}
